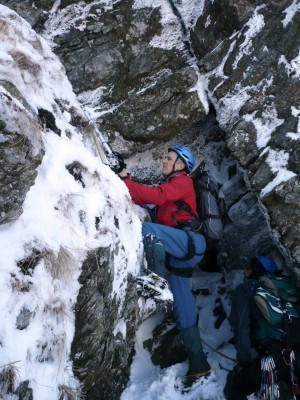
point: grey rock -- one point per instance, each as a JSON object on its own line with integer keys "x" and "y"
{"x": 255, "y": 89}
{"x": 165, "y": 345}
{"x": 24, "y": 318}
{"x": 101, "y": 356}
{"x": 158, "y": 112}
{"x": 282, "y": 204}
{"x": 24, "y": 391}
{"x": 17, "y": 172}
{"x": 145, "y": 89}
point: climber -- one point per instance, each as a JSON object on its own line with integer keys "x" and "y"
{"x": 254, "y": 339}
{"x": 183, "y": 248}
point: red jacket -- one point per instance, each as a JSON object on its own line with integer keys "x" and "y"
{"x": 178, "y": 187}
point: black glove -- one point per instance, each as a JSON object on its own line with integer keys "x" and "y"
{"x": 230, "y": 387}
{"x": 117, "y": 162}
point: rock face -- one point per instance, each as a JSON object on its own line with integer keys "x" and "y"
{"x": 139, "y": 91}
{"x": 21, "y": 150}
{"x": 102, "y": 348}
{"x": 249, "y": 71}
{"x": 18, "y": 172}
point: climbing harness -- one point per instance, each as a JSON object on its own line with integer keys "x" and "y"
{"x": 218, "y": 351}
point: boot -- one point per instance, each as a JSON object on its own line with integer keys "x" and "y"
{"x": 155, "y": 255}
{"x": 230, "y": 390}
{"x": 198, "y": 365}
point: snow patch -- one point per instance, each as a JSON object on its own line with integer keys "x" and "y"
{"x": 264, "y": 125}
{"x": 295, "y": 135}
{"x": 171, "y": 36}
{"x": 254, "y": 26}
{"x": 290, "y": 12}
{"x": 277, "y": 160}
{"x": 293, "y": 67}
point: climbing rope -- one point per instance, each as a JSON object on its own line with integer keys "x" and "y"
{"x": 218, "y": 351}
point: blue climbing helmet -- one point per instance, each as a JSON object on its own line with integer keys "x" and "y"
{"x": 268, "y": 264}
{"x": 186, "y": 156}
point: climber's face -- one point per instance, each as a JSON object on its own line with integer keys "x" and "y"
{"x": 171, "y": 164}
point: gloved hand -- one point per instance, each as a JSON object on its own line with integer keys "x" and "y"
{"x": 119, "y": 164}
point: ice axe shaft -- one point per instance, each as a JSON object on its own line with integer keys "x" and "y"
{"x": 105, "y": 152}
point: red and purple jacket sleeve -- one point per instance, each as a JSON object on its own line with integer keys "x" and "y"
{"x": 164, "y": 196}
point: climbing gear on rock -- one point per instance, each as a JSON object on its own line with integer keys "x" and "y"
{"x": 154, "y": 287}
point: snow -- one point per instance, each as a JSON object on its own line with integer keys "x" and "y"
{"x": 265, "y": 125}
{"x": 171, "y": 35}
{"x": 293, "y": 67}
{"x": 199, "y": 88}
{"x": 159, "y": 383}
{"x": 277, "y": 160}
{"x": 290, "y": 11}
{"x": 231, "y": 104}
{"x": 71, "y": 17}
{"x": 228, "y": 108}
{"x": 253, "y": 27}
{"x": 295, "y": 135}
{"x": 58, "y": 220}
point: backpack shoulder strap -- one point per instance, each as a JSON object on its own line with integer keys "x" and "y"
{"x": 182, "y": 205}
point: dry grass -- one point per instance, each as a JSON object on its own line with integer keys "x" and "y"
{"x": 24, "y": 63}
{"x": 8, "y": 380}
{"x": 56, "y": 307}
{"x": 60, "y": 265}
{"x": 24, "y": 118}
{"x": 20, "y": 286}
{"x": 4, "y": 27}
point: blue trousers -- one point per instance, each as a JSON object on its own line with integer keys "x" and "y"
{"x": 176, "y": 244}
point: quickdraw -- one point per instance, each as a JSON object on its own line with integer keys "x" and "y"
{"x": 269, "y": 385}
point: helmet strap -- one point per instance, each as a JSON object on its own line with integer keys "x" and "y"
{"x": 173, "y": 169}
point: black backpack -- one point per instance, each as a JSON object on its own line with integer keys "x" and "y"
{"x": 208, "y": 206}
